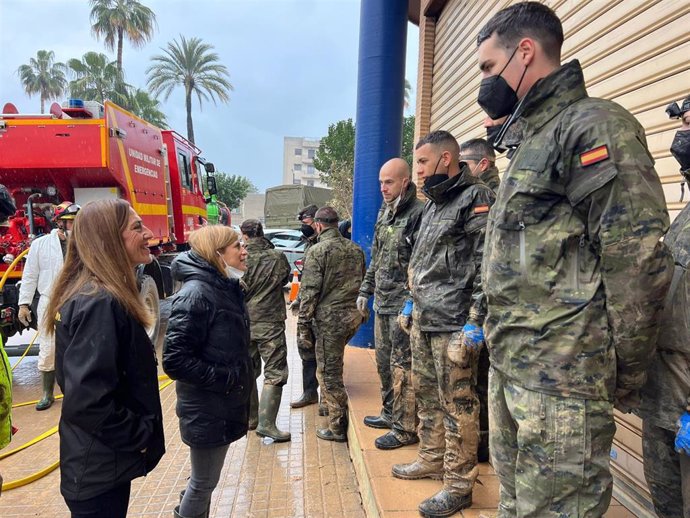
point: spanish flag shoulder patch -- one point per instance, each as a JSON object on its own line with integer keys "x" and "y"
{"x": 594, "y": 156}
{"x": 480, "y": 209}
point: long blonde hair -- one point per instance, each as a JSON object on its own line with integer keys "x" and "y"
{"x": 96, "y": 255}
{"x": 210, "y": 240}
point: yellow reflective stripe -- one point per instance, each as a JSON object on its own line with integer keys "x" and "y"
{"x": 191, "y": 209}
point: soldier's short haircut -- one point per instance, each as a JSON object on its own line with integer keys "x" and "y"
{"x": 477, "y": 147}
{"x": 441, "y": 139}
{"x": 252, "y": 228}
{"x": 327, "y": 216}
{"x": 526, "y": 20}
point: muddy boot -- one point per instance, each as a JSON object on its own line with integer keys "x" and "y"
{"x": 444, "y": 503}
{"x": 268, "y": 410}
{"x": 309, "y": 385}
{"x": 418, "y": 469}
{"x": 254, "y": 408}
{"x": 48, "y": 379}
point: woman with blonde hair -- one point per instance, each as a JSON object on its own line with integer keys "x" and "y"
{"x": 206, "y": 350}
{"x": 111, "y": 425}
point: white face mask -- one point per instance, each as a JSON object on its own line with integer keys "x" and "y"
{"x": 231, "y": 271}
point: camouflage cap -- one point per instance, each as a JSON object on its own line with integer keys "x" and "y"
{"x": 307, "y": 212}
{"x": 252, "y": 228}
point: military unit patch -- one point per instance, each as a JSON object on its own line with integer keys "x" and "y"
{"x": 594, "y": 156}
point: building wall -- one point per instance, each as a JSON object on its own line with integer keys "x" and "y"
{"x": 298, "y": 162}
{"x": 634, "y": 52}
{"x": 252, "y": 207}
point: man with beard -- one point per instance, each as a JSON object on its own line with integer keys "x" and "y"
{"x": 386, "y": 278}
{"x": 446, "y": 323}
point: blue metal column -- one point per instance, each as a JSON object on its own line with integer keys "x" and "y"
{"x": 378, "y": 136}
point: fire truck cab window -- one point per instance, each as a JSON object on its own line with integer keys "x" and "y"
{"x": 185, "y": 171}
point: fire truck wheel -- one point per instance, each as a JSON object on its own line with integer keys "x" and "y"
{"x": 149, "y": 294}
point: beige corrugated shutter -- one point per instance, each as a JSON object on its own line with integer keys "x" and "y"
{"x": 634, "y": 52}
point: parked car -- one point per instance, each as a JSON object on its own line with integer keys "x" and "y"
{"x": 290, "y": 243}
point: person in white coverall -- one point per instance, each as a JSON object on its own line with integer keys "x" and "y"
{"x": 43, "y": 264}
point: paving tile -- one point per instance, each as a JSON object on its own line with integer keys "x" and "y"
{"x": 303, "y": 478}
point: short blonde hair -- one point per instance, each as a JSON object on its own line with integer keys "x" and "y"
{"x": 211, "y": 240}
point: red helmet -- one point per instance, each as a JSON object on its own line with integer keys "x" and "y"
{"x": 66, "y": 210}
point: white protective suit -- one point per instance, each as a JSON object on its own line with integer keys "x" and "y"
{"x": 43, "y": 264}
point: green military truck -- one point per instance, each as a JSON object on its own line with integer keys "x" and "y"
{"x": 284, "y": 202}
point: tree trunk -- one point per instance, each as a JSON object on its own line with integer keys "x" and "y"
{"x": 188, "y": 105}
{"x": 43, "y": 105}
{"x": 119, "y": 50}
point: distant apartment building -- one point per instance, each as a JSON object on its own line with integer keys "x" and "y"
{"x": 298, "y": 162}
{"x": 252, "y": 207}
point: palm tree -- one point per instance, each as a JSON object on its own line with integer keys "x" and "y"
{"x": 141, "y": 104}
{"x": 43, "y": 76}
{"x": 96, "y": 78}
{"x": 192, "y": 65}
{"x": 116, "y": 19}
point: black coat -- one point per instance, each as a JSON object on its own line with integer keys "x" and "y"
{"x": 106, "y": 367}
{"x": 206, "y": 350}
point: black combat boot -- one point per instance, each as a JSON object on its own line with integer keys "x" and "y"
{"x": 310, "y": 385}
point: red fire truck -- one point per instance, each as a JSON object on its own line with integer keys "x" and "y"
{"x": 87, "y": 151}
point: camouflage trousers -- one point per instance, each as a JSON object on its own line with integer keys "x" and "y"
{"x": 667, "y": 472}
{"x": 268, "y": 344}
{"x": 551, "y": 453}
{"x": 305, "y": 342}
{"x": 483, "y": 394}
{"x": 447, "y": 406}
{"x": 394, "y": 365}
{"x": 331, "y": 338}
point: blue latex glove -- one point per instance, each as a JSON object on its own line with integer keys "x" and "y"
{"x": 683, "y": 435}
{"x": 407, "y": 308}
{"x": 473, "y": 336}
{"x": 405, "y": 317}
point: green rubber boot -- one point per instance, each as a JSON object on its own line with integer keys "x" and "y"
{"x": 268, "y": 410}
{"x": 48, "y": 380}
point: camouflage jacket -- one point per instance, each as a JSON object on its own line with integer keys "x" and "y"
{"x": 666, "y": 395}
{"x": 445, "y": 267}
{"x": 574, "y": 272}
{"x": 394, "y": 235}
{"x": 268, "y": 271}
{"x": 333, "y": 271}
{"x": 490, "y": 177}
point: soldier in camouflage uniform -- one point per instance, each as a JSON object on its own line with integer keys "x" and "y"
{"x": 305, "y": 333}
{"x": 333, "y": 271}
{"x": 445, "y": 283}
{"x": 267, "y": 272}
{"x": 666, "y": 395}
{"x": 386, "y": 278}
{"x": 574, "y": 272}
{"x": 481, "y": 159}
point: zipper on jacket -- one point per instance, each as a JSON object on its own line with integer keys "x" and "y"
{"x": 523, "y": 247}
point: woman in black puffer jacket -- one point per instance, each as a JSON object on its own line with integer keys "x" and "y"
{"x": 206, "y": 350}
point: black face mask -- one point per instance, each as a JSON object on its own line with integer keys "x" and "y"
{"x": 491, "y": 135}
{"x": 680, "y": 149}
{"x": 307, "y": 230}
{"x": 435, "y": 178}
{"x": 496, "y": 97}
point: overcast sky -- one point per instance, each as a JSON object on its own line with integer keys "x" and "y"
{"x": 293, "y": 64}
